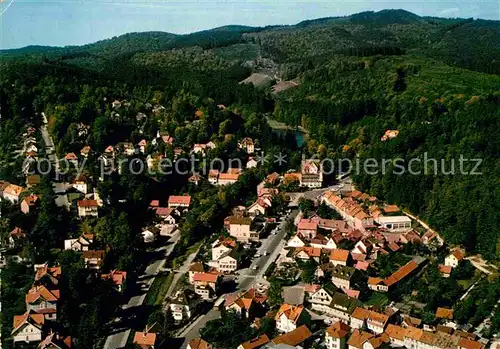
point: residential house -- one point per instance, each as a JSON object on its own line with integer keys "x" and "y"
{"x": 195, "y": 179}
{"x": 145, "y": 340}
{"x": 389, "y": 134}
{"x": 339, "y": 257}
{"x": 307, "y": 228}
{"x": 362, "y": 318}
{"x": 71, "y": 158}
{"x": 241, "y": 229}
{"x": 228, "y": 178}
{"x": 167, "y": 214}
{"x": 251, "y": 163}
{"x": 28, "y": 327}
{"x": 184, "y": 305}
{"x": 17, "y": 238}
{"x": 311, "y": 174}
{"x": 181, "y": 202}
{"x": 149, "y": 234}
{"x": 199, "y": 343}
{"x": 343, "y": 277}
{"x": 85, "y": 151}
{"x": 255, "y": 343}
{"x": 259, "y": 207}
{"x": 445, "y": 270}
{"x": 82, "y": 243}
{"x": 12, "y": 193}
{"x": 296, "y": 241}
{"x": 341, "y": 307}
{"x": 47, "y": 276}
{"x": 118, "y": 277}
{"x": 228, "y": 262}
{"x": 431, "y": 238}
{"x": 444, "y": 313}
{"x": 207, "y": 284}
{"x": 80, "y": 183}
{"x": 454, "y": 259}
{"x": 213, "y": 176}
{"x": 56, "y": 341}
{"x": 336, "y": 336}
{"x": 93, "y": 259}
{"x": 246, "y": 303}
{"x": 396, "y": 335}
{"x": 87, "y": 208}
{"x": 41, "y": 300}
{"x": 142, "y": 146}
{"x": 321, "y": 299}
{"x": 33, "y": 180}
{"x": 28, "y": 203}
{"x": 221, "y": 246}
{"x": 467, "y": 343}
{"x": 290, "y": 317}
{"x": 247, "y": 145}
{"x": 307, "y": 253}
{"x": 195, "y": 268}
{"x": 294, "y": 338}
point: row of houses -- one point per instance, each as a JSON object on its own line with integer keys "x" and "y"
{"x": 42, "y": 301}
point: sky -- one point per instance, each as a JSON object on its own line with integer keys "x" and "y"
{"x": 77, "y": 22}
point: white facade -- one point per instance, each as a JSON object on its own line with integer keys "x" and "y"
{"x": 395, "y": 223}
{"x": 28, "y": 333}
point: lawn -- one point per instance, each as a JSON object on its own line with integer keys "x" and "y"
{"x": 158, "y": 289}
{"x": 377, "y": 298}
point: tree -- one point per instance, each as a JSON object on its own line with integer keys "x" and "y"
{"x": 229, "y": 331}
{"x": 268, "y": 326}
{"x": 274, "y": 292}
{"x": 306, "y": 206}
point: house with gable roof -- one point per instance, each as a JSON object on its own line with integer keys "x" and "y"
{"x": 28, "y": 327}
{"x": 41, "y": 300}
{"x": 336, "y": 335}
{"x": 184, "y": 305}
{"x": 454, "y": 258}
{"x": 290, "y": 317}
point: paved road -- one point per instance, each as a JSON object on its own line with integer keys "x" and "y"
{"x": 273, "y": 245}
{"x": 49, "y": 144}
{"x": 181, "y": 271}
{"x": 119, "y": 339}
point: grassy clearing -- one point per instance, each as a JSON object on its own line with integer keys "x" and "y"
{"x": 158, "y": 289}
{"x": 377, "y": 298}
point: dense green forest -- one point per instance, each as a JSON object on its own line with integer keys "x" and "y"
{"x": 432, "y": 79}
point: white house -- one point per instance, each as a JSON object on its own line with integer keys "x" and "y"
{"x": 289, "y": 317}
{"x": 28, "y": 327}
{"x": 296, "y": 241}
{"x": 80, "y": 244}
{"x": 454, "y": 259}
{"x": 184, "y": 305}
{"x": 336, "y": 336}
{"x": 87, "y": 208}
{"x": 12, "y": 192}
{"x": 81, "y": 184}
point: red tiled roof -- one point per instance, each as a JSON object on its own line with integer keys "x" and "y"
{"x": 145, "y": 339}
{"x": 339, "y": 255}
{"x": 295, "y": 337}
{"x": 255, "y": 342}
{"x": 338, "y": 330}
{"x": 179, "y": 199}
{"x": 291, "y": 312}
{"x": 206, "y": 277}
{"x": 467, "y": 343}
{"x": 199, "y": 343}
{"x": 358, "y": 338}
{"x": 401, "y": 273}
{"x": 41, "y": 291}
{"x": 444, "y": 313}
{"x": 87, "y": 203}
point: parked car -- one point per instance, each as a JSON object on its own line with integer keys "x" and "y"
{"x": 255, "y": 267}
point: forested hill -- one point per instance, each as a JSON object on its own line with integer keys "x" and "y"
{"x": 434, "y": 80}
{"x": 467, "y": 43}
